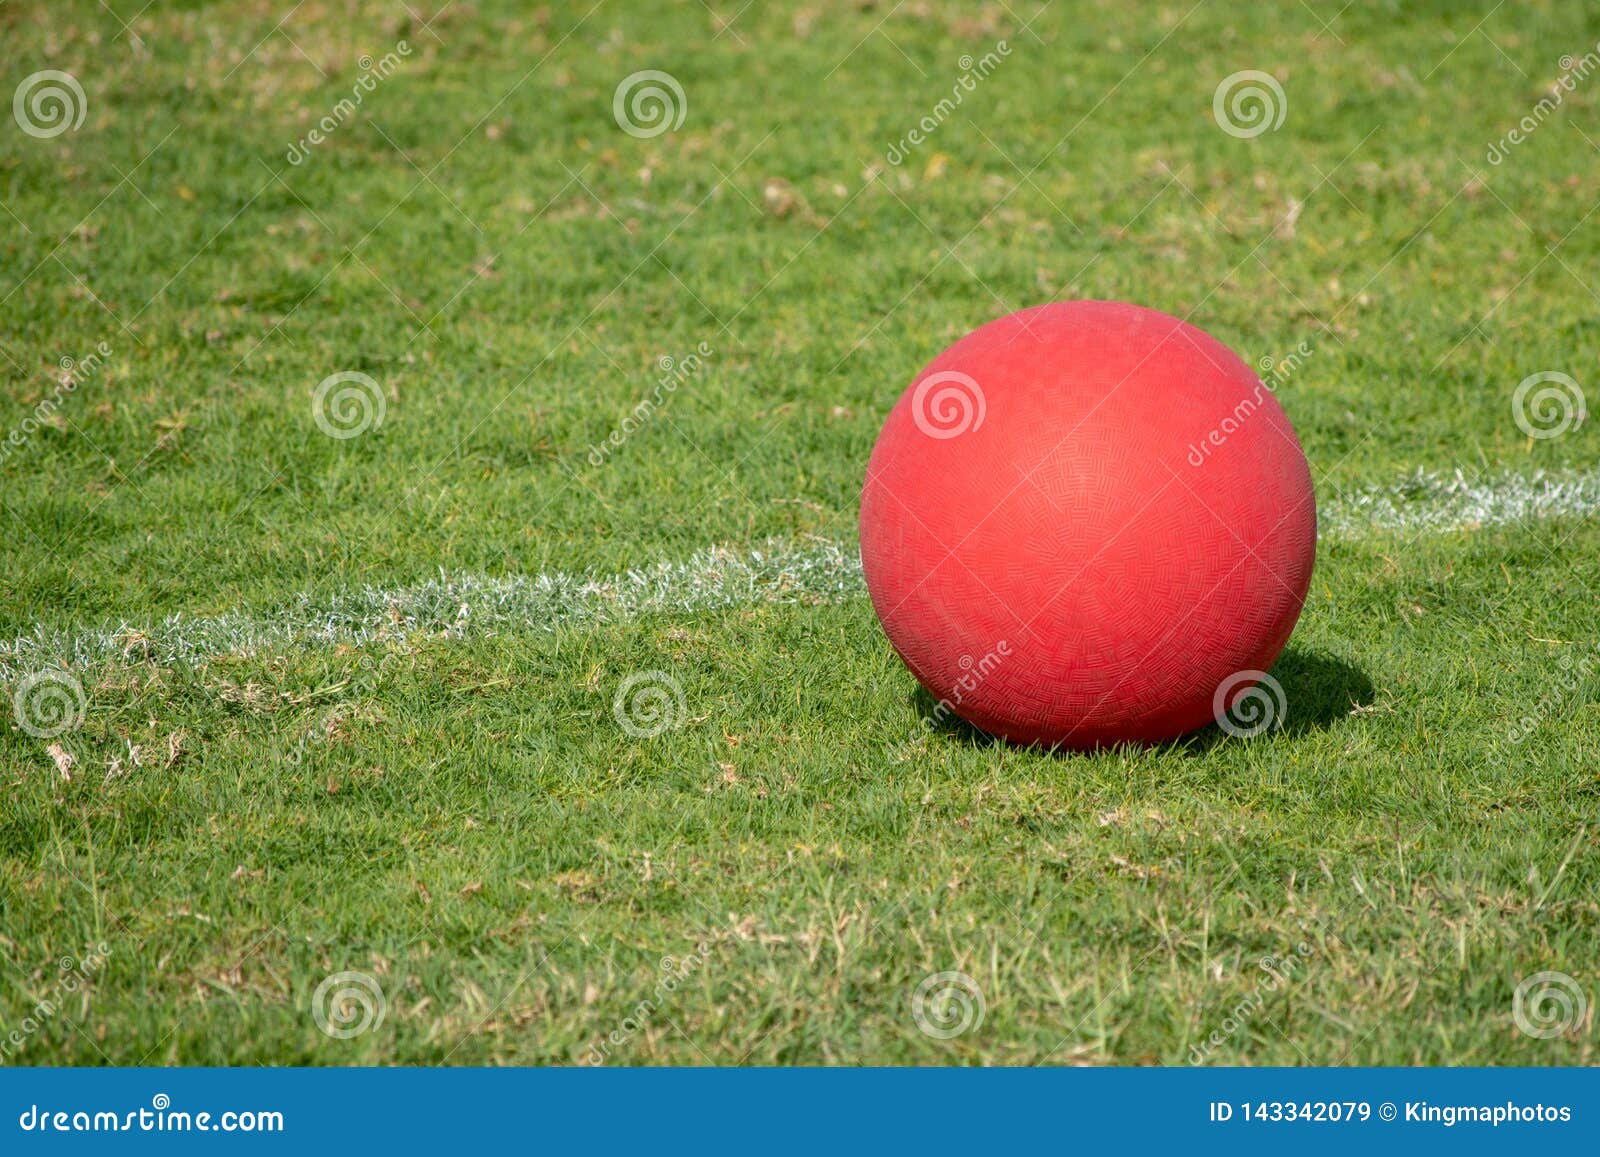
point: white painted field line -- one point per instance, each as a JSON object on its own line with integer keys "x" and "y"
{"x": 461, "y": 605}
{"x": 781, "y": 571}
{"x": 1443, "y": 503}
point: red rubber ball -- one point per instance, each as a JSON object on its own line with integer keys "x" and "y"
{"x": 1087, "y": 523}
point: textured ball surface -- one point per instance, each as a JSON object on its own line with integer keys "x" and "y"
{"x": 1083, "y": 521}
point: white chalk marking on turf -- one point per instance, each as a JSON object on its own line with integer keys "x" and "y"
{"x": 781, "y": 571}
{"x": 1444, "y": 503}
{"x": 456, "y": 606}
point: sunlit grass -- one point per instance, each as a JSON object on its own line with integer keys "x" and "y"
{"x": 460, "y": 816}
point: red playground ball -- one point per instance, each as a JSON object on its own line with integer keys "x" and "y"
{"x": 1089, "y": 523}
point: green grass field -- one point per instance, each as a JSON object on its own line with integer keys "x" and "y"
{"x": 332, "y": 719}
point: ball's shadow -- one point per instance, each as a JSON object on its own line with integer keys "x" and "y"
{"x": 1318, "y": 689}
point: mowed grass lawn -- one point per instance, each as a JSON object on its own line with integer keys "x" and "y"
{"x": 458, "y": 816}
